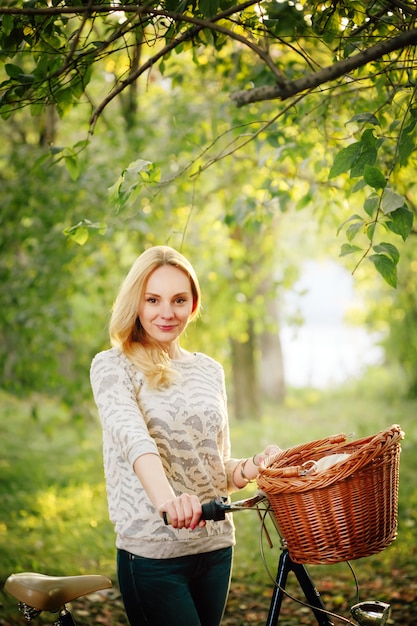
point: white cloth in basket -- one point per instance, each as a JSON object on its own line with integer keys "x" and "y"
{"x": 325, "y": 462}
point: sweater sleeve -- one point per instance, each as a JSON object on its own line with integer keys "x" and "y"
{"x": 230, "y": 464}
{"x": 114, "y": 393}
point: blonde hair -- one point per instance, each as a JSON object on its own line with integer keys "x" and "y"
{"x": 125, "y": 329}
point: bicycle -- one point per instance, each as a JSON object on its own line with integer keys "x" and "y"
{"x": 368, "y": 471}
{"x": 37, "y": 592}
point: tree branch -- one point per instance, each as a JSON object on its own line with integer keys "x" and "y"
{"x": 105, "y": 9}
{"x": 328, "y": 74}
{"x": 197, "y": 25}
{"x": 405, "y": 8}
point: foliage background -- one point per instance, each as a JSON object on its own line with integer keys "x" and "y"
{"x": 248, "y": 193}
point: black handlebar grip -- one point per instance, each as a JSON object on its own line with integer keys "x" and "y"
{"x": 214, "y": 510}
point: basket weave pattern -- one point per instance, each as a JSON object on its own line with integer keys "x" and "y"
{"x": 345, "y": 512}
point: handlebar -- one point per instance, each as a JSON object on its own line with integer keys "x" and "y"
{"x": 217, "y": 508}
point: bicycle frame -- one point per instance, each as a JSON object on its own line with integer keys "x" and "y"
{"x": 65, "y": 618}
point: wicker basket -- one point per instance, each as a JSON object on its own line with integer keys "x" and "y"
{"x": 343, "y": 513}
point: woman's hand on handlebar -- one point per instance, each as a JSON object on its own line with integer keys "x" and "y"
{"x": 184, "y": 511}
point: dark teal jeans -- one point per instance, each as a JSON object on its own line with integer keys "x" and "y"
{"x": 184, "y": 591}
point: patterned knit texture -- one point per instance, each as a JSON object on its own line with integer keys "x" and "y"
{"x": 187, "y": 425}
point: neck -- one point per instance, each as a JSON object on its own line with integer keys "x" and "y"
{"x": 180, "y": 355}
{"x": 175, "y": 352}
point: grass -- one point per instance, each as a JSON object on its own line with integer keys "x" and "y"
{"x": 53, "y": 503}
{"x": 52, "y": 496}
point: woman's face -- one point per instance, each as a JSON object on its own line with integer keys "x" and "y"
{"x": 166, "y": 304}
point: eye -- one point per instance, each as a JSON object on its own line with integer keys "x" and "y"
{"x": 181, "y": 300}
{"x": 151, "y": 300}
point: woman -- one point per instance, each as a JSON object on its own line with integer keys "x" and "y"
{"x": 166, "y": 449}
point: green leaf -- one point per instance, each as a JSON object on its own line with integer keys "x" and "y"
{"x": 353, "y": 230}
{"x": 360, "y": 184}
{"x": 7, "y": 24}
{"x": 42, "y": 161}
{"x": 388, "y": 249}
{"x": 370, "y": 230}
{"x": 352, "y": 218}
{"x": 14, "y": 71}
{"x": 283, "y": 19}
{"x": 368, "y": 138}
{"x": 83, "y": 143}
{"x": 386, "y": 267}
{"x": 406, "y": 147}
{"x": 151, "y": 174}
{"x": 344, "y": 159}
{"x": 137, "y": 167}
{"x": 371, "y": 205}
{"x": 71, "y": 163}
{"x": 391, "y": 201}
{"x": 367, "y": 155}
{"x": 79, "y": 233}
{"x": 401, "y": 222}
{"x": 407, "y": 143}
{"x": 394, "y": 125}
{"x": 374, "y": 177}
{"x": 131, "y": 180}
{"x": 348, "y": 248}
{"x": 26, "y": 79}
{"x": 37, "y": 108}
{"x": 368, "y": 118}
{"x": 208, "y": 8}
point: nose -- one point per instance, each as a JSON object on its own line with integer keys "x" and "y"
{"x": 166, "y": 311}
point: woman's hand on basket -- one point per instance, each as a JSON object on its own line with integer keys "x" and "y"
{"x": 246, "y": 471}
{"x": 265, "y": 457}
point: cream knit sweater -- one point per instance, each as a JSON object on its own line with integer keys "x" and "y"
{"x": 186, "y": 424}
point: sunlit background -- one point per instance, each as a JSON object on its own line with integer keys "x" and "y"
{"x": 326, "y": 350}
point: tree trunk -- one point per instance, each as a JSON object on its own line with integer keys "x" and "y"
{"x": 271, "y": 367}
{"x": 244, "y": 376}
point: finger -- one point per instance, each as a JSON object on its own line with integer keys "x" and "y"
{"x": 185, "y": 511}
{"x": 272, "y": 450}
{"x": 192, "y": 510}
{"x": 182, "y": 512}
{"x": 168, "y": 512}
{"x": 196, "y": 516}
